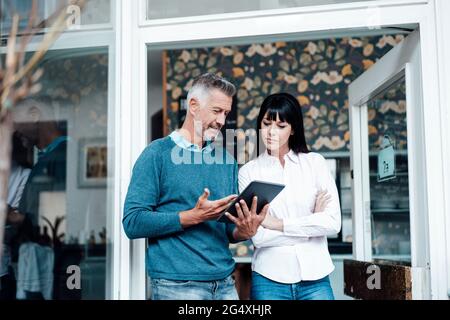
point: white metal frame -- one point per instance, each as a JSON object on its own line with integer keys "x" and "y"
{"x": 371, "y": 7}
{"x": 401, "y": 62}
{"x": 442, "y": 10}
{"x": 131, "y": 134}
{"x": 206, "y": 29}
{"x": 95, "y": 36}
{"x": 127, "y": 43}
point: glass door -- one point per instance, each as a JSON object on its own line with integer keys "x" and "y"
{"x": 388, "y": 174}
{"x": 387, "y": 159}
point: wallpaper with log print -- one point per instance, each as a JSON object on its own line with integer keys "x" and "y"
{"x": 69, "y": 80}
{"x": 316, "y": 72}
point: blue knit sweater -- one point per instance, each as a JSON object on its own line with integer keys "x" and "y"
{"x": 168, "y": 179}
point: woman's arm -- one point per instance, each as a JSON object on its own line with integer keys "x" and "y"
{"x": 265, "y": 237}
{"x": 273, "y": 238}
{"x": 323, "y": 223}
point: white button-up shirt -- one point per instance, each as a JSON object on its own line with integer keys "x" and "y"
{"x": 300, "y": 251}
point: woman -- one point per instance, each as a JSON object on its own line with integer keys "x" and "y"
{"x": 20, "y": 170}
{"x": 291, "y": 259}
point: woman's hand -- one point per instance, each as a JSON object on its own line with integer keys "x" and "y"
{"x": 322, "y": 200}
{"x": 248, "y": 220}
{"x": 270, "y": 222}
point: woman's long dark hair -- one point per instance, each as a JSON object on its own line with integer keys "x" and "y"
{"x": 288, "y": 110}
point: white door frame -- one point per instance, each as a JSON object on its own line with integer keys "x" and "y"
{"x": 442, "y": 10}
{"x": 402, "y": 61}
{"x": 203, "y": 30}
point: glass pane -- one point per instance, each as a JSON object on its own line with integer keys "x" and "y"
{"x": 344, "y": 184}
{"x": 161, "y": 9}
{"x": 93, "y": 12}
{"x": 388, "y": 161}
{"x": 57, "y": 246}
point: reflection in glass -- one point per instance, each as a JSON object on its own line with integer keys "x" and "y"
{"x": 94, "y": 12}
{"x": 56, "y": 229}
{"x": 161, "y": 9}
{"x": 389, "y": 198}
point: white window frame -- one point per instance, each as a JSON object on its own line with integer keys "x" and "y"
{"x": 95, "y": 36}
{"x": 137, "y": 33}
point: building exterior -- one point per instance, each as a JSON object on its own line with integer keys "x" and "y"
{"x": 111, "y": 92}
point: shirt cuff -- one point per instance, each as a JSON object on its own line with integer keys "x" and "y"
{"x": 292, "y": 226}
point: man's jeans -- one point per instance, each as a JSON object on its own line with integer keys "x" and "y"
{"x": 266, "y": 289}
{"x": 163, "y": 289}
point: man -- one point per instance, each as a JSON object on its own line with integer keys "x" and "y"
{"x": 36, "y": 121}
{"x": 175, "y": 201}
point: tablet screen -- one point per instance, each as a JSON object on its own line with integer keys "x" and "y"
{"x": 265, "y": 191}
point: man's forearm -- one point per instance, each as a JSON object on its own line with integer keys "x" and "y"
{"x": 189, "y": 218}
{"x": 142, "y": 223}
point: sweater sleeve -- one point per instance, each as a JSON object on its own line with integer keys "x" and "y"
{"x": 141, "y": 219}
{"x": 231, "y": 226}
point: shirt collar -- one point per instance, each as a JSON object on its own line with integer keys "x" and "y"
{"x": 182, "y": 142}
{"x": 291, "y": 155}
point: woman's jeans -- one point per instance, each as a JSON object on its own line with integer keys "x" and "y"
{"x": 266, "y": 289}
{"x": 163, "y": 289}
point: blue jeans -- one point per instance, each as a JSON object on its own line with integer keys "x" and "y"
{"x": 163, "y": 289}
{"x": 266, "y": 289}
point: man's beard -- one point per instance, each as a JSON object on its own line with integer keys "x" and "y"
{"x": 211, "y": 137}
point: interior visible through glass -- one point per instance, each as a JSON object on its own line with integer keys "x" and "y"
{"x": 94, "y": 12}
{"x": 388, "y": 162}
{"x": 161, "y": 9}
{"x": 56, "y": 235}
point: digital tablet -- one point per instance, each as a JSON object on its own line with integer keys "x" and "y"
{"x": 265, "y": 191}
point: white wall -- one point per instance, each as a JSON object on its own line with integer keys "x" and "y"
{"x": 86, "y": 207}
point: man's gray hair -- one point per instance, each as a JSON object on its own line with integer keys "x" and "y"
{"x": 207, "y": 82}
{"x": 49, "y": 107}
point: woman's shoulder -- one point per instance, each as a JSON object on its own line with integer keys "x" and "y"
{"x": 314, "y": 158}
{"x": 312, "y": 155}
{"x": 253, "y": 164}
{"x": 248, "y": 166}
